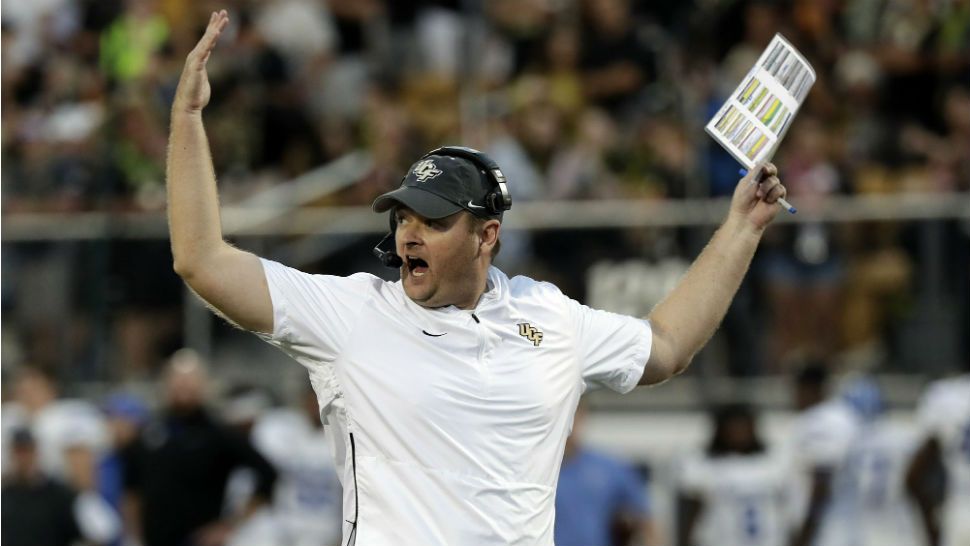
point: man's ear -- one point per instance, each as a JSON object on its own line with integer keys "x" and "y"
{"x": 490, "y": 233}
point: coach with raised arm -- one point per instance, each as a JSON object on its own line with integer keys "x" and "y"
{"x": 448, "y": 394}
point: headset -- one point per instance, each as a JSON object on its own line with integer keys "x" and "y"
{"x": 385, "y": 249}
{"x": 497, "y": 201}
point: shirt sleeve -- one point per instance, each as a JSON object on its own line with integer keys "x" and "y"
{"x": 96, "y": 520}
{"x": 612, "y": 348}
{"x": 313, "y": 314}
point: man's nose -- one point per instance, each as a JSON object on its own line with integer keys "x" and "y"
{"x": 408, "y": 235}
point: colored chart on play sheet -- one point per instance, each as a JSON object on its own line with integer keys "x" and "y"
{"x": 790, "y": 69}
{"x": 768, "y": 108}
{"x": 742, "y": 132}
{"x": 755, "y": 118}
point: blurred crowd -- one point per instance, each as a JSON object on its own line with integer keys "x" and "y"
{"x": 575, "y": 99}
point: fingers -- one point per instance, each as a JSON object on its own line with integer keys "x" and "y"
{"x": 776, "y": 193}
{"x": 217, "y": 23}
{"x": 770, "y": 190}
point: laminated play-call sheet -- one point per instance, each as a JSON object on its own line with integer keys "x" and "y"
{"x": 752, "y": 122}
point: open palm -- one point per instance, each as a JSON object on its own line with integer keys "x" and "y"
{"x": 193, "y": 90}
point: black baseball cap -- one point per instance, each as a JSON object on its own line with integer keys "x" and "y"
{"x": 441, "y": 185}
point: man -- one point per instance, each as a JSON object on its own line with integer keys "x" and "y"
{"x": 599, "y": 499}
{"x": 306, "y": 502}
{"x": 876, "y": 503}
{"x": 52, "y": 419}
{"x": 42, "y": 511}
{"x": 175, "y": 472}
{"x": 823, "y": 436}
{"x": 733, "y": 494}
{"x": 450, "y": 393}
{"x": 944, "y": 419}
{"x": 38, "y": 510}
{"x": 306, "y": 507}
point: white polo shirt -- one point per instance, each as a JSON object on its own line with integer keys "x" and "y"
{"x": 448, "y": 425}
{"x": 743, "y": 496}
{"x": 823, "y": 436}
{"x": 944, "y": 412}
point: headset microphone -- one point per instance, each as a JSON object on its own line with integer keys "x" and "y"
{"x": 388, "y": 257}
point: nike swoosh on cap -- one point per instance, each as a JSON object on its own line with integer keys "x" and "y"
{"x": 425, "y": 332}
{"x": 474, "y": 206}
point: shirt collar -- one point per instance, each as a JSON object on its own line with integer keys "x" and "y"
{"x": 496, "y": 293}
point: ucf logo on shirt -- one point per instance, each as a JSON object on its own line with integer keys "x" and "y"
{"x": 531, "y": 333}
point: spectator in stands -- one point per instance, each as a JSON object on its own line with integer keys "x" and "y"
{"x": 877, "y": 289}
{"x": 582, "y": 170}
{"x": 617, "y": 62}
{"x": 177, "y": 469}
{"x": 600, "y": 499}
{"x": 560, "y": 64}
{"x": 74, "y": 140}
{"x": 128, "y": 45}
{"x": 943, "y": 153}
{"x": 803, "y": 265}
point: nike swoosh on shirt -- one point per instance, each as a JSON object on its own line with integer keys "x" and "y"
{"x": 425, "y": 332}
{"x": 474, "y": 206}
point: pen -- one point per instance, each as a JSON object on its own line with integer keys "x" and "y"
{"x": 781, "y": 201}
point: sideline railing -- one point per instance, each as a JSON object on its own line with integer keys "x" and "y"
{"x": 260, "y": 218}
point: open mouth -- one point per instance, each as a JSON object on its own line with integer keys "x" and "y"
{"x": 417, "y": 266}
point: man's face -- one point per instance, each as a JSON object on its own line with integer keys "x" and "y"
{"x": 443, "y": 259}
{"x": 34, "y": 391}
{"x": 808, "y": 395}
{"x": 185, "y": 387}
{"x": 739, "y": 433}
{"x": 24, "y": 459}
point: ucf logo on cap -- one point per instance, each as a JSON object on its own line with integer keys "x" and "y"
{"x": 425, "y": 170}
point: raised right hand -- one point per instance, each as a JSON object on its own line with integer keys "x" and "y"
{"x": 193, "y": 92}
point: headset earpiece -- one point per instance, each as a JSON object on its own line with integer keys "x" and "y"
{"x": 499, "y": 199}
